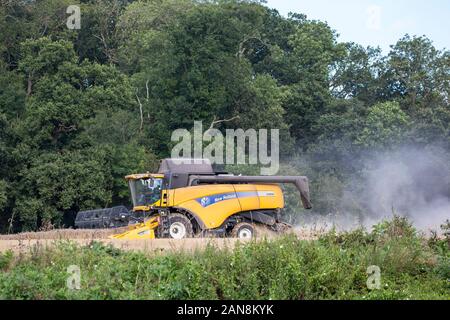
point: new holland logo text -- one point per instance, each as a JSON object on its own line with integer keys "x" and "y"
{"x": 210, "y": 200}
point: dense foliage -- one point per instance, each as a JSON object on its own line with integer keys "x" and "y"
{"x": 333, "y": 267}
{"x": 81, "y": 108}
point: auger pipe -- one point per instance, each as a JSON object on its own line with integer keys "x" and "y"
{"x": 300, "y": 182}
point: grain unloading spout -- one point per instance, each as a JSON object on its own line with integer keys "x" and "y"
{"x": 300, "y": 182}
{"x": 302, "y": 185}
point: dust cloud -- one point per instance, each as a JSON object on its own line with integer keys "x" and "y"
{"x": 409, "y": 181}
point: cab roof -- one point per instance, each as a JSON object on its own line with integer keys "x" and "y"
{"x": 143, "y": 176}
{"x": 185, "y": 165}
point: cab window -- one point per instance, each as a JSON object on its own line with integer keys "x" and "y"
{"x": 145, "y": 192}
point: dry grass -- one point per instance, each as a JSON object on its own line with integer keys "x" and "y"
{"x": 310, "y": 232}
{"x": 306, "y": 233}
{"x": 23, "y": 242}
{"x": 64, "y": 234}
{"x": 148, "y": 246}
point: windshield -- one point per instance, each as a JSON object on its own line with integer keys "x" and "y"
{"x": 145, "y": 192}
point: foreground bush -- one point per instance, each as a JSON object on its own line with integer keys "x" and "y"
{"x": 333, "y": 267}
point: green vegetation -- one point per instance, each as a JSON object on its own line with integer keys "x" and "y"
{"x": 333, "y": 267}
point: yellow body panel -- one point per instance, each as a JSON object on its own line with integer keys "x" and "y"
{"x": 267, "y": 200}
{"x": 249, "y": 202}
{"x": 213, "y": 204}
{"x": 144, "y": 230}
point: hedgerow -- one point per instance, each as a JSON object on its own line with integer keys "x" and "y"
{"x": 333, "y": 267}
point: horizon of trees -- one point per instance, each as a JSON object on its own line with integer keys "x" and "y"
{"x": 80, "y": 109}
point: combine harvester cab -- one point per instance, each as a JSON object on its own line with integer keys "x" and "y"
{"x": 186, "y": 198}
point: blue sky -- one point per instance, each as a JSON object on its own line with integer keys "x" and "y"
{"x": 377, "y": 22}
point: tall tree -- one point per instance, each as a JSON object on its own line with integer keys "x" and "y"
{"x": 418, "y": 73}
{"x": 357, "y": 74}
{"x": 314, "y": 50}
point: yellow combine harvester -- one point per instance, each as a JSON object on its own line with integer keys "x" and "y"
{"x": 186, "y": 198}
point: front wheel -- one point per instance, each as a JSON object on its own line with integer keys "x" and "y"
{"x": 244, "y": 230}
{"x": 180, "y": 227}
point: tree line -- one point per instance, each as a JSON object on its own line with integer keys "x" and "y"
{"x": 79, "y": 109}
